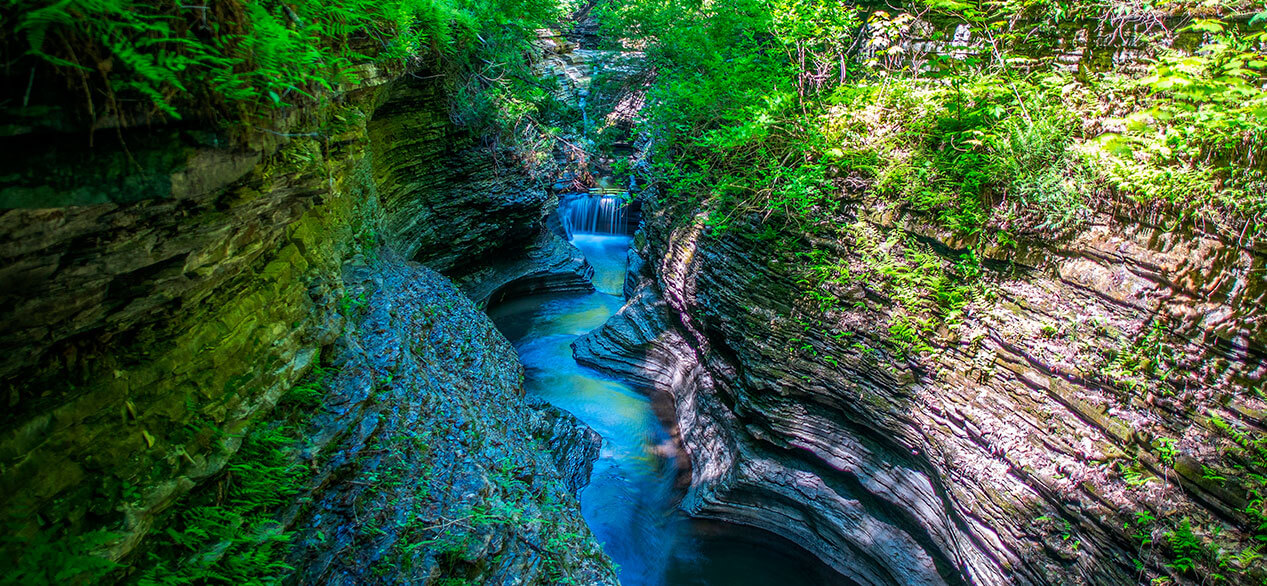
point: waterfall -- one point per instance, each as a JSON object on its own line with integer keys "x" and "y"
{"x": 594, "y": 214}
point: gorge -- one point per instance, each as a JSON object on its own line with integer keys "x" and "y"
{"x": 629, "y": 292}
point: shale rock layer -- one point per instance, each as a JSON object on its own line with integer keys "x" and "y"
{"x": 131, "y": 323}
{"x": 1004, "y": 454}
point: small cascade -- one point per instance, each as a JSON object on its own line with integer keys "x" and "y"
{"x": 590, "y": 213}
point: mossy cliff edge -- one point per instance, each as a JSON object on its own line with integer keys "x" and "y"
{"x": 147, "y": 334}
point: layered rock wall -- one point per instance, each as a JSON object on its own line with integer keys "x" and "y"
{"x": 126, "y": 323}
{"x": 143, "y": 315}
{"x": 1011, "y": 451}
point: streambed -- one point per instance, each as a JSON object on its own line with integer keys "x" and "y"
{"x": 631, "y": 501}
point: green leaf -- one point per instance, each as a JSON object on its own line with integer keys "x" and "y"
{"x": 1206, "y": 25}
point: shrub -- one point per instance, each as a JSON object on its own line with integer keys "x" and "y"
{"x": 141, "y": 60}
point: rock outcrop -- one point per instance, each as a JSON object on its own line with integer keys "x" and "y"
{"x": 134, "y": 314}
{"x": 1010, "y": 452}
{"x": 548, "y": 264}
{"x": 428, "y": 463}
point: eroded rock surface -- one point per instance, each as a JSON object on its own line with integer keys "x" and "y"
{"x": 549, "y": 264}
{"x": 131, "y": 326}
{"x": 1005, "y": 454}
{"x": 431, "y": 465}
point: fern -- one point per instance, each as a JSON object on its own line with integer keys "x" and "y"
{"x": 275, "y": 55}
{"x": 45, "y": 559}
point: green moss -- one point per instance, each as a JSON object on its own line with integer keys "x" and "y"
{"x": 160, "y": 404}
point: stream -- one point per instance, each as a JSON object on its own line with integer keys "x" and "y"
{"x": 632, "y": 500}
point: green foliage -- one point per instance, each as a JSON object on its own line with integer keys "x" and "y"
{"x": 972, "y": 154}
{"x": 247, "y": 57}
{"x": 1251, "y": 475}
{"x": 1144, "y": 363}
{"x": 226, "y": 532}
{"x": 1195, "y": 142}
{"x": 1166, "y": 450}
{"x": 45, "y": 559}
{"x": 1185, "y": 547}
{"x": 1030, "y": 161}
{"x": 233, "y": 539}
{"x": 758, "y": 106}
{"x": 1211, "y": 551}
{"x": 307, "y": 394}
{"x": 350, "y": 305}
{"x": 723, "y": 98}
{"x": 1134, "y": 475}
{"x": 751, "y": 110}
{"x": 927, "y": 294}
{"x": 1141, "y": 525}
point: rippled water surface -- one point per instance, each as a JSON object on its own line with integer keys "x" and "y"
{"x": 631, "y": 501}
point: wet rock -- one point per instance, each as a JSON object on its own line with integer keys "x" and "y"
{"x": 471, "y": 212}
{"x": 575, "y": 446}
{"x": 128, "y": 324}
{"x": 447, "y": 201}
{"x": 132, "y": 323}
{"x": 549, "y": 264}
{"x": 997, "y": 458}
{"x": 430, "y": 464}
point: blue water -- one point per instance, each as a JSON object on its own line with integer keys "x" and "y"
{"x": 631, "y": 501}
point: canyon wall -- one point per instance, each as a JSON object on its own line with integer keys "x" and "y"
{"x": 1010, "y": 451}
{"x": 161, "y": 291}
{"x": 1091, "y": 414}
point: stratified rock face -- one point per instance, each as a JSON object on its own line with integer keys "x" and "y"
{"x": 470, "y": 212}
{"x": 447, "y": 202}
{"x": 127, "y": 324}
{"x": 573, "y": 444}
{"x": 430, "y": 464}
{"x": 1004, "y": 455}
{"x": 199, "y": 302}
{"x": 549, "y": 264}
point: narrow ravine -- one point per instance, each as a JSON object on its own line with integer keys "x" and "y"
{"x": 631, "y": 501}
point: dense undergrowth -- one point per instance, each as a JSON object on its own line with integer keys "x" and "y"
{"x": 770, "y": 105}
{"x": 796, "y": 123}
{"x": 226, "y": 532}
{"x": 244, "y": 63}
